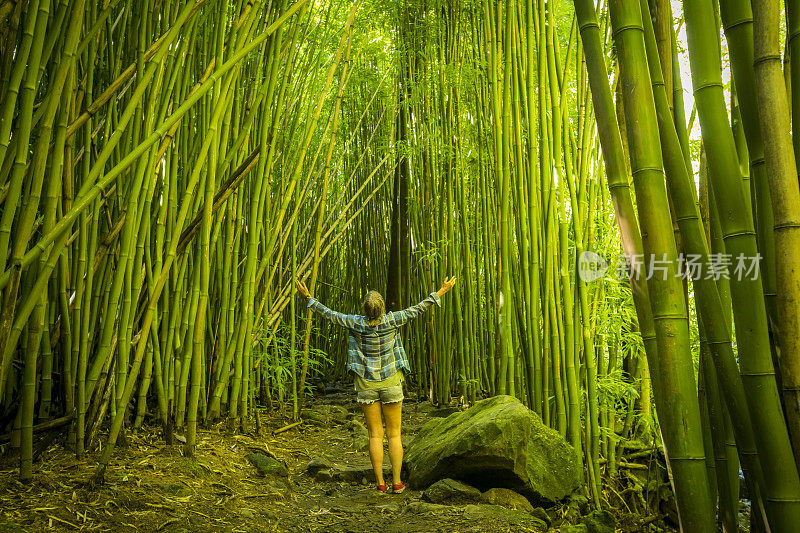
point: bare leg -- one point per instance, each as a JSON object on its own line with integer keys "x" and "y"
{"x": 392, "y": 414}
{"x": 372, "y": 412}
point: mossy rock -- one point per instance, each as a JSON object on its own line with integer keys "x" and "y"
{"x": 600, "y": 521}
{"x": 320, "y": 469}
{"x": 496, "y": 443}
{"x": 482, "y": 513}
{"x": 354, "y": 473}
{"x": 507, "y": 498}
{"x": 541, "y": 514}
{"x": 268, "y": 466}
{"x": 317, "y": 464}
{"x": 314, "y": 418}
{"x": 450, "y": 490}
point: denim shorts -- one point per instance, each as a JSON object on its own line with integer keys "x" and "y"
{"x": 384, "y": 395}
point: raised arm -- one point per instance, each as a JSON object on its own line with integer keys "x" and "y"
{"x": 401, "y": 317}
{"x": 446, "y": 286}
{"x": 315, "y": 305}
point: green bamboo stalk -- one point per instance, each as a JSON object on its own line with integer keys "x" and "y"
{"x": 773, "y": 113}
{"x": 749, "y": 310}
{"x": 678, "y": 411}
{"x": 714, "y": 332}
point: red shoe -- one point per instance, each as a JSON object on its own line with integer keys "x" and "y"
{"x": 383, "y": 488}
{"x": 398, "y": 489}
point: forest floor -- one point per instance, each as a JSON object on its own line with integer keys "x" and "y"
{"x": 150, "y": 486}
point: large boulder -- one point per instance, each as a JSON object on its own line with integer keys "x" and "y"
{"x": 496, "y": 443}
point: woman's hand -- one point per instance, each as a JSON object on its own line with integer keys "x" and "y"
{"x": 302, "y": 289}
{"x": 446, "y": 286}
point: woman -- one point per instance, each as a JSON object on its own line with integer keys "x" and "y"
{"x": 377, "y": 359}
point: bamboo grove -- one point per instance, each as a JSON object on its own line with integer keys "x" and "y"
{"x": 168, "y": 168}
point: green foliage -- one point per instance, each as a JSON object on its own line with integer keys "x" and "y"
{"x": 274, "y": 353}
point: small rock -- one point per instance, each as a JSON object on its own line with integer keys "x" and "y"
{"x": 450, "y": 490}
{"x": 317, "y": 464}
{"x": 324, "y": 475}
{"x": 600, "y": 521}
{"x": 314, "y": 418}
{"x": 507, "y": 498}
{"x": 354, "y": 473}
{"x": 267, "y": 465}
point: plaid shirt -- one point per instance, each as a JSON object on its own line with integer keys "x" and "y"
{"x": 376, "y": 352}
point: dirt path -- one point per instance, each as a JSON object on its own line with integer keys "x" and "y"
{"x": 155, "y": 488}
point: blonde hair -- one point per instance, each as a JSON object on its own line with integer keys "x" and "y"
{"x": 374, "y": 307}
